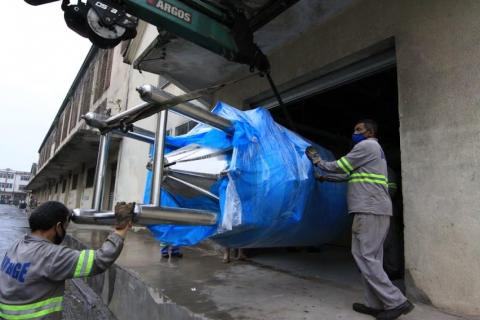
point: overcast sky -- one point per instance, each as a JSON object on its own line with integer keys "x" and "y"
{"x": 39, "y": 59}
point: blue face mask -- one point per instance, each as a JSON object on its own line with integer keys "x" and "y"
{"x": 357, "y": 137}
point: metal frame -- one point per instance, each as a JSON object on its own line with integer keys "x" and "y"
{"x": 122, "y": 124}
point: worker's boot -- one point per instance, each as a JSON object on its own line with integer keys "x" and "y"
{"x": 392, "y": 314}
{"x": 361, "y": 308}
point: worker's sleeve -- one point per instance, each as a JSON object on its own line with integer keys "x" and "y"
{"x": 68, "y": 263}
{"x": 357, "y": 157}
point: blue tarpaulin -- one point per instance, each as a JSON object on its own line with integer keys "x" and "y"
{"x": 269, "y": 197}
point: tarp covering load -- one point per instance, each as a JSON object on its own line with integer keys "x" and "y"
{"x": 267, "y": 194}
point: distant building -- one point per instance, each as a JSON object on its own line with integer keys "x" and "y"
{"x": 12, "y": 185}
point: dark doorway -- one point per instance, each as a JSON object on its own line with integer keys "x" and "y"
{"x": 328, "y": 118}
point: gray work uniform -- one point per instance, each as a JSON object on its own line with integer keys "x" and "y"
{"x": 33, "y": 273}
{"x": 365, "y": 169}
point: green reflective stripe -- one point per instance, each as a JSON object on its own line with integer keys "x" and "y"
{"x": 369, "y": 175}
{"x": 341, "y": 165}
{"x": 32, "y": 310}
{"x": 33, "y": 315}
{"x": 43, "y": 303}
{"x": 392, "y": 185}
{"x": 91, "y": 255}
{"x": 347, "y": 164}
{"x": 78, "y": 268}
{"x": 84, "y": 264}
{"x": 367, "y": 180}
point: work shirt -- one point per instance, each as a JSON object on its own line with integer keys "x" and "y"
{"x": 33, "y": 273}
{"x": 365, "y": 169}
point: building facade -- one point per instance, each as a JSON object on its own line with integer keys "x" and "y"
{"x": 13, "y": 186}
{"x": 410, "y": 65}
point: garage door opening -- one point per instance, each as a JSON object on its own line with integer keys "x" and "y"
{"x": 328, "y": 118}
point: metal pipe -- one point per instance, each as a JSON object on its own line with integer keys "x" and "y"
{"x": 100, "y": 171}
{"x": 158, "y": 160}
{"x": 133, "y": 135}
{"x": 194, "y": 187}
{"x": 151, "y": 94}
{"x": 116, "y": 119}
{"x": 176, "y": 216}
{"x": 148, "y": 215}
{"x": 92, "y": 216}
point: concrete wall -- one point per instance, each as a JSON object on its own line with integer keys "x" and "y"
{"x": 438, "y": 49}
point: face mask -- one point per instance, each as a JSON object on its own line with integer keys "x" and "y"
{"x": 357, "y": 137}
{"x": 58, "y": 239}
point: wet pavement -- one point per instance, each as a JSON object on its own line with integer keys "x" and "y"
{"x": 269, "y": 286}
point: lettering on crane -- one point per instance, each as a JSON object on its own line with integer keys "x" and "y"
{"x": 171, "y": 10}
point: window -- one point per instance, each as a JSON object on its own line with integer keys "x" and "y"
{"x": 74, "y": 181}
{"x": 184, "y": 128}
{"x": 25, "y": 178}
{"x": 90, "y": 177}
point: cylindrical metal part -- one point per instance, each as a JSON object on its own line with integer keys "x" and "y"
{"x": 91, "y": 216}
{"x": 176, "y": 216}
{"x": 158, "y": 160}
{"x": 95, "y": 120}
{"x": 134, "y": 135}
{"x": 100, "y": 171}
{"x": 151, "y": 94}
{"x": 115, "y": 119}
{"x": 148, "y": 215}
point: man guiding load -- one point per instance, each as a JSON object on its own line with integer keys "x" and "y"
{"x": 34, "y": 269}
{"x": 365, "y": 169}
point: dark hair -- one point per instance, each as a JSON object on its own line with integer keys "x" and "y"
{"x": 47, "y": 215}
{"x": 370, "y": 125}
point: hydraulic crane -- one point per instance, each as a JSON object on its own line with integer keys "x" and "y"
{"x": 219, "y": 26}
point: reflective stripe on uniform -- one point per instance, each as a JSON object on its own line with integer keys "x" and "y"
{"x": 345, "y": 165}
{"x": 392, "y": 185}
{"x": 369, "y": 178}
{"x": 32, "y": 310}
{"x": 84, "y": 263}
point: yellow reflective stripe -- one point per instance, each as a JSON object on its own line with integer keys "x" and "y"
{"x": 32, "y": 310}
{"x": 341, "y": 165}
{"x": 369, "y": 175}
{"x": 78, "y": 268}
{"x": 392, "y": 185}
{"x": 33, "y": 315}
{"x": 31, "y": 305}
{"x": 347, "y": 164}
{"x": 91, "y": 255}
{"x": 367, "y": 180}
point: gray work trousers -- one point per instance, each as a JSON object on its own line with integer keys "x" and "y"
{"x": 368, "y": 234}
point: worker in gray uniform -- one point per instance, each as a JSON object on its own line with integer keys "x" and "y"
{"x": 365, "y": 168}
{"x": 34, "y": 269}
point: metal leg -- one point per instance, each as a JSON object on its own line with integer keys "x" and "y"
{"x": 100, "y": 172}
{"x": 158, "y": 159}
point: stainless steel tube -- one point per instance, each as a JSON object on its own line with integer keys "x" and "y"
{"x": 148, "y": 215}
{"x": 151, "y": 94}
{"x": 176, "y": 216}
{"x": 115, "y": 119}
{"x": 158, "y": 160}
{"x": 91, "y": 216}
{"x": 134, "y": 135}
{"x": 100, "y": 171}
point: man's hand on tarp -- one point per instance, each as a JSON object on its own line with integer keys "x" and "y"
{"x": 313, "y": 155}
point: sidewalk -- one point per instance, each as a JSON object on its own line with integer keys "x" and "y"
{"x": 144, "y": 286}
